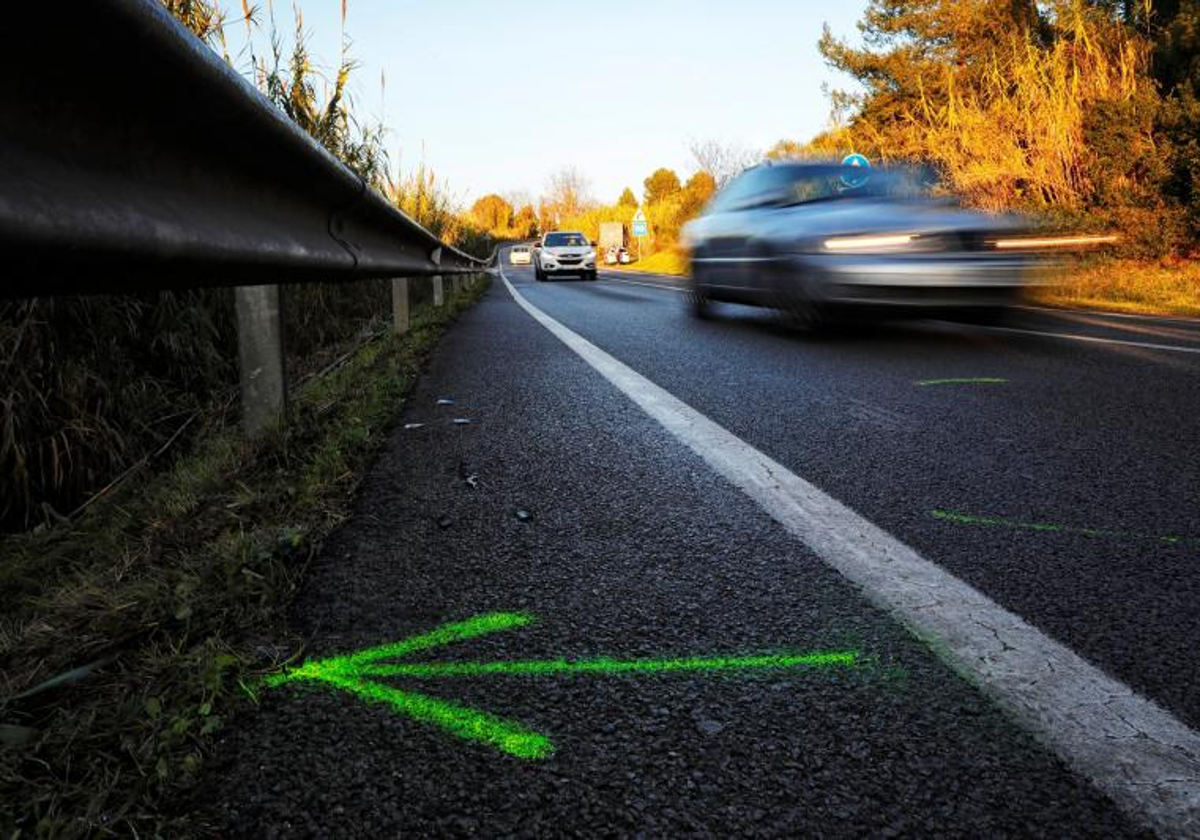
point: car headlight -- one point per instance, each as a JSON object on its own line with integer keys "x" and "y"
{"x": 590, "y": 255}
{"x": 871, "y": 242}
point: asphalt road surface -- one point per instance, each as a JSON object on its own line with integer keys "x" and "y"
{"x": 603, "y": 501}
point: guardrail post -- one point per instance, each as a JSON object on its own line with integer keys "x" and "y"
{"x": 260, "y": 356}
{"x": 439, "y": 294}
{"x": 400, "y": 306}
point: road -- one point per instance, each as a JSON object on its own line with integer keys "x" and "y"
{"x": 603, "y": 496}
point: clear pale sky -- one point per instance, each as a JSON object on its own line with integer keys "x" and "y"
{"x": 497, "y": 96}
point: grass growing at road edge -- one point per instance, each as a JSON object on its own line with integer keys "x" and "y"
{"x": 160, "y": 593}
{"x": 664, "y": 262}
{"x": 1124, "y": 285}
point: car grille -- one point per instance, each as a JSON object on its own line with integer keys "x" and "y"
{"x": 570, "y": 260}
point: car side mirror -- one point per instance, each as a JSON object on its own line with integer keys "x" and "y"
{"x": 593, "y": 243}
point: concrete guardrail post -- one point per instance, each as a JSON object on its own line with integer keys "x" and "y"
{"x": 401, "y": 312}
{"x": 260, "y": 356}
{"x": 439, "y": 293}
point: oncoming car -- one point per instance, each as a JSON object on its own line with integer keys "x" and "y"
{"x": 565, "y": 252}
{"x": 824, "y": 240}
{"x": 519, "y": 255}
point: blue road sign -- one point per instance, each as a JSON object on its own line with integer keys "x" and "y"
{"x": 855, "y": 180}
{"x": 640, "y": 226}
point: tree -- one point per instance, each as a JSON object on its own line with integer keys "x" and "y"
{"x": 662, "y": 184}
{"x": 696, "y": 193}
{"x": 567, "y": 194}
{"x": 1177, "y": 69}
{"x": 492, "y": 213}
{"x": 722, "y": 162}
{"x": 1003, "y": 95}
{"x": 525, "y": 223}
{"x": 627, "y": 199}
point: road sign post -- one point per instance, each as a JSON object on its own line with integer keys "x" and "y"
{"x": 641, "y": 229}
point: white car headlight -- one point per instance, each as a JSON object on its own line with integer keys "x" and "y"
{"x": 872, "y": 242}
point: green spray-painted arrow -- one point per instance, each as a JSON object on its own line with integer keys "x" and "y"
{"x": 353, "y": 673}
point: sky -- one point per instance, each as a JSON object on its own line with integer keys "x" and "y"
{"x": 496, "y": 97}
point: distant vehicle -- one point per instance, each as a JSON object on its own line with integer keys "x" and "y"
{"x": 520, "y": 255}
{"x": 617, "y": 256}
{"x": 613, "y": 236}
{"x": 824, "y": 240}
{"x": 565, "y": 252}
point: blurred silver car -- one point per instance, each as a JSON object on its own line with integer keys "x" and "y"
{"x": 823, "y": 240}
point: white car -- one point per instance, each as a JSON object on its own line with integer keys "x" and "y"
{"x": 520, "y": 255}
{"x": 565, "y": 252}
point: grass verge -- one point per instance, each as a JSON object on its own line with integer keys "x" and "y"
{"x": 136, "y": 626}
{"x": 1123, "y": 285}
{"x": 664, "y": 262}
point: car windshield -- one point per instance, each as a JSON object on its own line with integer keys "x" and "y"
{"x": 569, "y": 240}
{"x": 823, "y": 183}
{"x": 521, "y": 249}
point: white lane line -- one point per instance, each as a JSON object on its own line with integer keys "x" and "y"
{"x": 647, "y": 285}
{"x": 1089, "y": 338}
{"x": 1130, "y": 748}
{"x": 1133, "y": 316}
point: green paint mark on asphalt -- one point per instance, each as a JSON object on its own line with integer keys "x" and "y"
{"x": 996, "y": 522}
{"x": 975, "y": 380}
{"x": 611, "y": 667}
{"x": 354, "y": 673}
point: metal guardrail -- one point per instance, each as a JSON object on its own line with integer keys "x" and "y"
{"x": 132, "y": 156}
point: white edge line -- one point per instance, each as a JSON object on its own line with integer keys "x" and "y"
{"x": 1089, "y": 338}
{"x": 1134, "y": 751}
{"x": 647, "y": 285}
{"x": 1134, "y": 316}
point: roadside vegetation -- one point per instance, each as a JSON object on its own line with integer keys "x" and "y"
{"x": 145, "y": 547}
{"x": 1148, "y": 287}
{"x": 127, "y": 637}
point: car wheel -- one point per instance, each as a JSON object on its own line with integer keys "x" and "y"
{"x": 539, "y": 275}
{"x": 591, "y": 275}
{"x": 794, "y": 298}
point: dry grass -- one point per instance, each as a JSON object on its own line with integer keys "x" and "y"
{"x": 664, "y": 262}
{"x": 161, "y": 587}
{"x": 1148, "y": 288}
